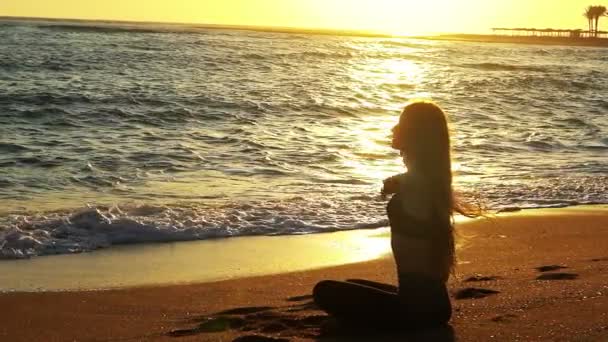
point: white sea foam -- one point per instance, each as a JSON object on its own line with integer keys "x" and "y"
{"x": 23, "y": 236}
{"x": 26, "y": 235}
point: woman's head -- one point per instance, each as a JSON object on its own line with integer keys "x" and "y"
{"x": 422, "y": 137}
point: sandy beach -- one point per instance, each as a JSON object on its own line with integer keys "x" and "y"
{"x": 536, "y": 275}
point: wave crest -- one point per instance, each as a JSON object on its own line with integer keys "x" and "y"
{"x": 504, "y": 67}
{"x": 95, "y": 227}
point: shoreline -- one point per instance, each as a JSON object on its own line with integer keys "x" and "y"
{"x": 201, "y": 261}
{"x": 190, "y": 262}
{"x": 153, "y": 26}
{"x": 505, "y": 254}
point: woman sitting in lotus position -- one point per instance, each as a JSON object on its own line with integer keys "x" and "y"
{"x": 421, "y": 218}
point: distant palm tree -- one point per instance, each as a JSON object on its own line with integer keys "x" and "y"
{"x": 599, "y": 11}
{"x": 590, "y": 15}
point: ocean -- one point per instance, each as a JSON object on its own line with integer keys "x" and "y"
{"x": 122, "y": 135}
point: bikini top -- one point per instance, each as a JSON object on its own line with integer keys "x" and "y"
{"x": 407, "y": 225}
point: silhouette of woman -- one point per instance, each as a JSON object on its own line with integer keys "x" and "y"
{"x": 421, "y": 219}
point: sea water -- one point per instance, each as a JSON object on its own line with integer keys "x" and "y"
{"x": 121, "y": 135}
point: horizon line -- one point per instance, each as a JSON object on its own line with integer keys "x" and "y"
{"x": 256, "y": 28}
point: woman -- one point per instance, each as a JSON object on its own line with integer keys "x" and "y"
{"x": 421, "y": 218}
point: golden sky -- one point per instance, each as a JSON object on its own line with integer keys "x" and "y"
{"x": 395, "y": 16}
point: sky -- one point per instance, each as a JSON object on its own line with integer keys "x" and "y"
{"x": 390, "y": 16}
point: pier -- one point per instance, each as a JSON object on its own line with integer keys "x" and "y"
{"x": 559, "y": 33}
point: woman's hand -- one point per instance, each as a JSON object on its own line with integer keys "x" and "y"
{"x": 392, "y": 184}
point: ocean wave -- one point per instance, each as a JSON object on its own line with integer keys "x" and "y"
{"x": 602, "y": 103}
{"x": 402, "y": 44}
{"x": 299, "y": 55}
{"x": 40, "y": 112}
{"x": 51, "y": 65}
{"x": 8, "y": 65}
{"x": 42, "y": 162}
{"x": 567, "y": 84}
{"x": 375, "y": 156}
{"x": 543, "y": 145}
{"x": 400, "y": 86}
{"x": 542, "y": 52}
{"x": 12, "y": 148}
{"x": 88, "y": 229}
{"x": 99, "y": 29}
{"x": 324, "y": 54}
{"x": 528, "y": 83}
{"x": 574, "y": 122}
{"x": 111, "y": 104}
{"x": 504, "y": 67}
{"x": 44, "y": 99}
{"x": 352, "y": 181}
{"x": 489, "y": 147}
{"x": 97, "y": 181}
{"x": 595, "y": 147}
{"x": 8, "y": 163}
{"x": 334, "y": 110}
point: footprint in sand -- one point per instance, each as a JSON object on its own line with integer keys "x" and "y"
{"x": 550, "y": 268}
{"x": 259, "y": 338}
{"x": 474, "y": 293}
{"x": 480, "y": 278}
{"x": 299, "y": 298}
{"x": 303, "y": 307}
{"x": 557, "y": 276}
{"x": 211, "y": 325}
{"x": 245, "y": 311}
{"x": 504, "y": 318}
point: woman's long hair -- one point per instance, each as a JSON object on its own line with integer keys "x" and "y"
{"x": 425, "y": 143}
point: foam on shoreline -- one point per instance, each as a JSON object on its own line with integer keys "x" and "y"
{"x": 210, "y": 260}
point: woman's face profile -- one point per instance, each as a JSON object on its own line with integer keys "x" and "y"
{"x": 396, "y": 142}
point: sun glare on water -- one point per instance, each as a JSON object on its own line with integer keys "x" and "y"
{"x": 372, "y": 157}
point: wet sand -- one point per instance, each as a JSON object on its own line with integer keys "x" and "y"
{"x": 192, "y": 262}
{"x": 533, "y": 275}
